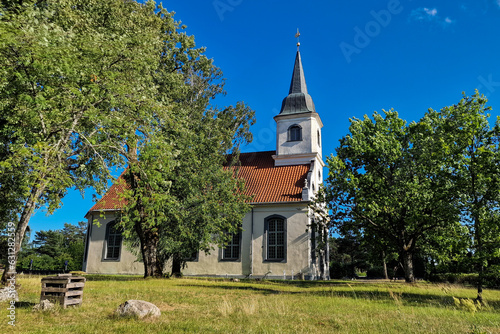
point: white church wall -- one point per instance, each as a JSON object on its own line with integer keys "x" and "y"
{"x": 95, "y": 260}
{"x": 297, "y": 247}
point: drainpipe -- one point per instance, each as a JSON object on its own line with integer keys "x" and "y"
{"x": 87, "y": 240}
{"x": 313, "y": 251}
{"x": 251, "y": 248}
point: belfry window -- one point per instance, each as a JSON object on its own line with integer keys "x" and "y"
{"x": 295, "y": 133}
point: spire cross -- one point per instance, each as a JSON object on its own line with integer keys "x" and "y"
{"x": 297, "y": 35}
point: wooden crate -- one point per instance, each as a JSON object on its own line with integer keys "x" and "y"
{"x": 64, "y": 289}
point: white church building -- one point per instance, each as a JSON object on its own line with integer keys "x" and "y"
{"x": 276, "y": 238}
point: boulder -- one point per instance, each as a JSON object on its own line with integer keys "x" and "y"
{"x": 138, "y": 308}
{"x": 45, "y": 305}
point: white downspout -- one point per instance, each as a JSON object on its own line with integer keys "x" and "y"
{"x": 251, "y": 248}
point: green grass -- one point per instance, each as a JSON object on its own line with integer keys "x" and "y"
{"x": 217, "y": 306}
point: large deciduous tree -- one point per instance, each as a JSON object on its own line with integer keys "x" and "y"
{"x": 193, "y": 203}
{"x": 176, "y": 187}
{"x": 472, "y": 156}
{"x": 179, "y": 192}
{"x": 387, "y": 181}
{"x": 68, "y": 68}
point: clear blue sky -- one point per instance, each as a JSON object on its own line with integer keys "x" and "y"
{"x": 358, "y": 56}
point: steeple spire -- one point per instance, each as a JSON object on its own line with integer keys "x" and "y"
{"x": 298, "y": 100}
{"x": 298, "y": 84}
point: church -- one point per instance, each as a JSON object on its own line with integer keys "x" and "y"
{"x": 276, "y": 240}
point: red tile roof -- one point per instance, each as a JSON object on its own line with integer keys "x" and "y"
{"x": 111, "y": 199}
{"x": 268, "y": 183}
{"x": 265, "y": 182}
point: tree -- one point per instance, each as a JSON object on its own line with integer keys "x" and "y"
{"x": 174, "y": 145}
{"x": 52, "y": 248}
{"x": 208, "y": 200}
{"x": 49, "y": 242}
{"x": 181, "y": 194}
{"x": 67, "y": 70}
{"x": 349, "y": 255}
{"x": 387, "y": 181}
{"x": 473, "y": 160}
{"x": 175, "y": 210}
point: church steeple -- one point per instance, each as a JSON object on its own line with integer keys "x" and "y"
{"x": 298, "y": 99}
{"x": 298, "y": 130}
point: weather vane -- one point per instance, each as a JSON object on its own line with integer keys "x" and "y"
{"x": 297, "y": 35}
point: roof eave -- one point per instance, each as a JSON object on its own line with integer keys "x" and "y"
{"x": 278, "y": 203}
{"x": 100, "y": 210}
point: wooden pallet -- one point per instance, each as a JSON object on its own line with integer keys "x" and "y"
{"x": 64, "y": 289}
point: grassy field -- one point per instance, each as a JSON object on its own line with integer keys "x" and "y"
{"x": 216, "y": 306}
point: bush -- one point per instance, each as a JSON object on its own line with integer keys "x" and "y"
{"x": 491, "y": 280}
{"x": 339, "y": 270}
{"x": 375, "y": 272}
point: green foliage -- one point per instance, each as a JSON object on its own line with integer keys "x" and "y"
{"x": 430, "y": 188}
{"x": 85, "y": 86}
{"x": 179, "y": 193}
{"x": 473, "y": 165}
{"x": 490, "y": 280}
{"x": 51, "y": 249}
{"x": 348, "y": 256}
{"x": 68, "y": 71}
{"x": 375, "y": 272}
{"x": 386, "y": 183}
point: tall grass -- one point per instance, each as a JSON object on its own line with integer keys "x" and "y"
{"x": 216, "y": 306}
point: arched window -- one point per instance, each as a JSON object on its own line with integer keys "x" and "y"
{"x": 113, "y": 241}
{"x": 275, "y": 232}
{"x": 295, "y": 133}
{"x": 319, "y": 139}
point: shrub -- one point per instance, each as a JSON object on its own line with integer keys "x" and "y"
{"x": 491, "y": 280}
{"x": 375, "y": 272}
{"x": 339, "y": 270}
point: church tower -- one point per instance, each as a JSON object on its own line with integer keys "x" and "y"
{"x": 298, "y": 130}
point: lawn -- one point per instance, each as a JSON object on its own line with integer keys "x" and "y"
{"x": 217, "y": 306}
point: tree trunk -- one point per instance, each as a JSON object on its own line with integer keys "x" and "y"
{"x": 176, "y": 265}
{"x": 149, "y": 250}
{"x": 386, "y": 275}
{"x": 323, "y": 254}
{"x": 160, "y": 264}
{"x": 408, "y": 266}
{"x": 28, "y": 210}
{"x": 327, "y": 254}
{"x": 148, "y": 236}
{"x": 479, "y": 256}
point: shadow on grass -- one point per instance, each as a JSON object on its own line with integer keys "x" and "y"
{"x": 113, "y": 278}
{"x": 388, "y": 293}
{"x": 25, "y": 304}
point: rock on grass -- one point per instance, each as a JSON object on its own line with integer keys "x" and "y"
{"x": 138, "y": 308}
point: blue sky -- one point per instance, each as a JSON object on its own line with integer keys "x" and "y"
{"x": 359, "y": 56}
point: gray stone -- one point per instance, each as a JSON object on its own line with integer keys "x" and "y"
{"x": 138, "y": 308}
{"x": 45, "y": 305}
